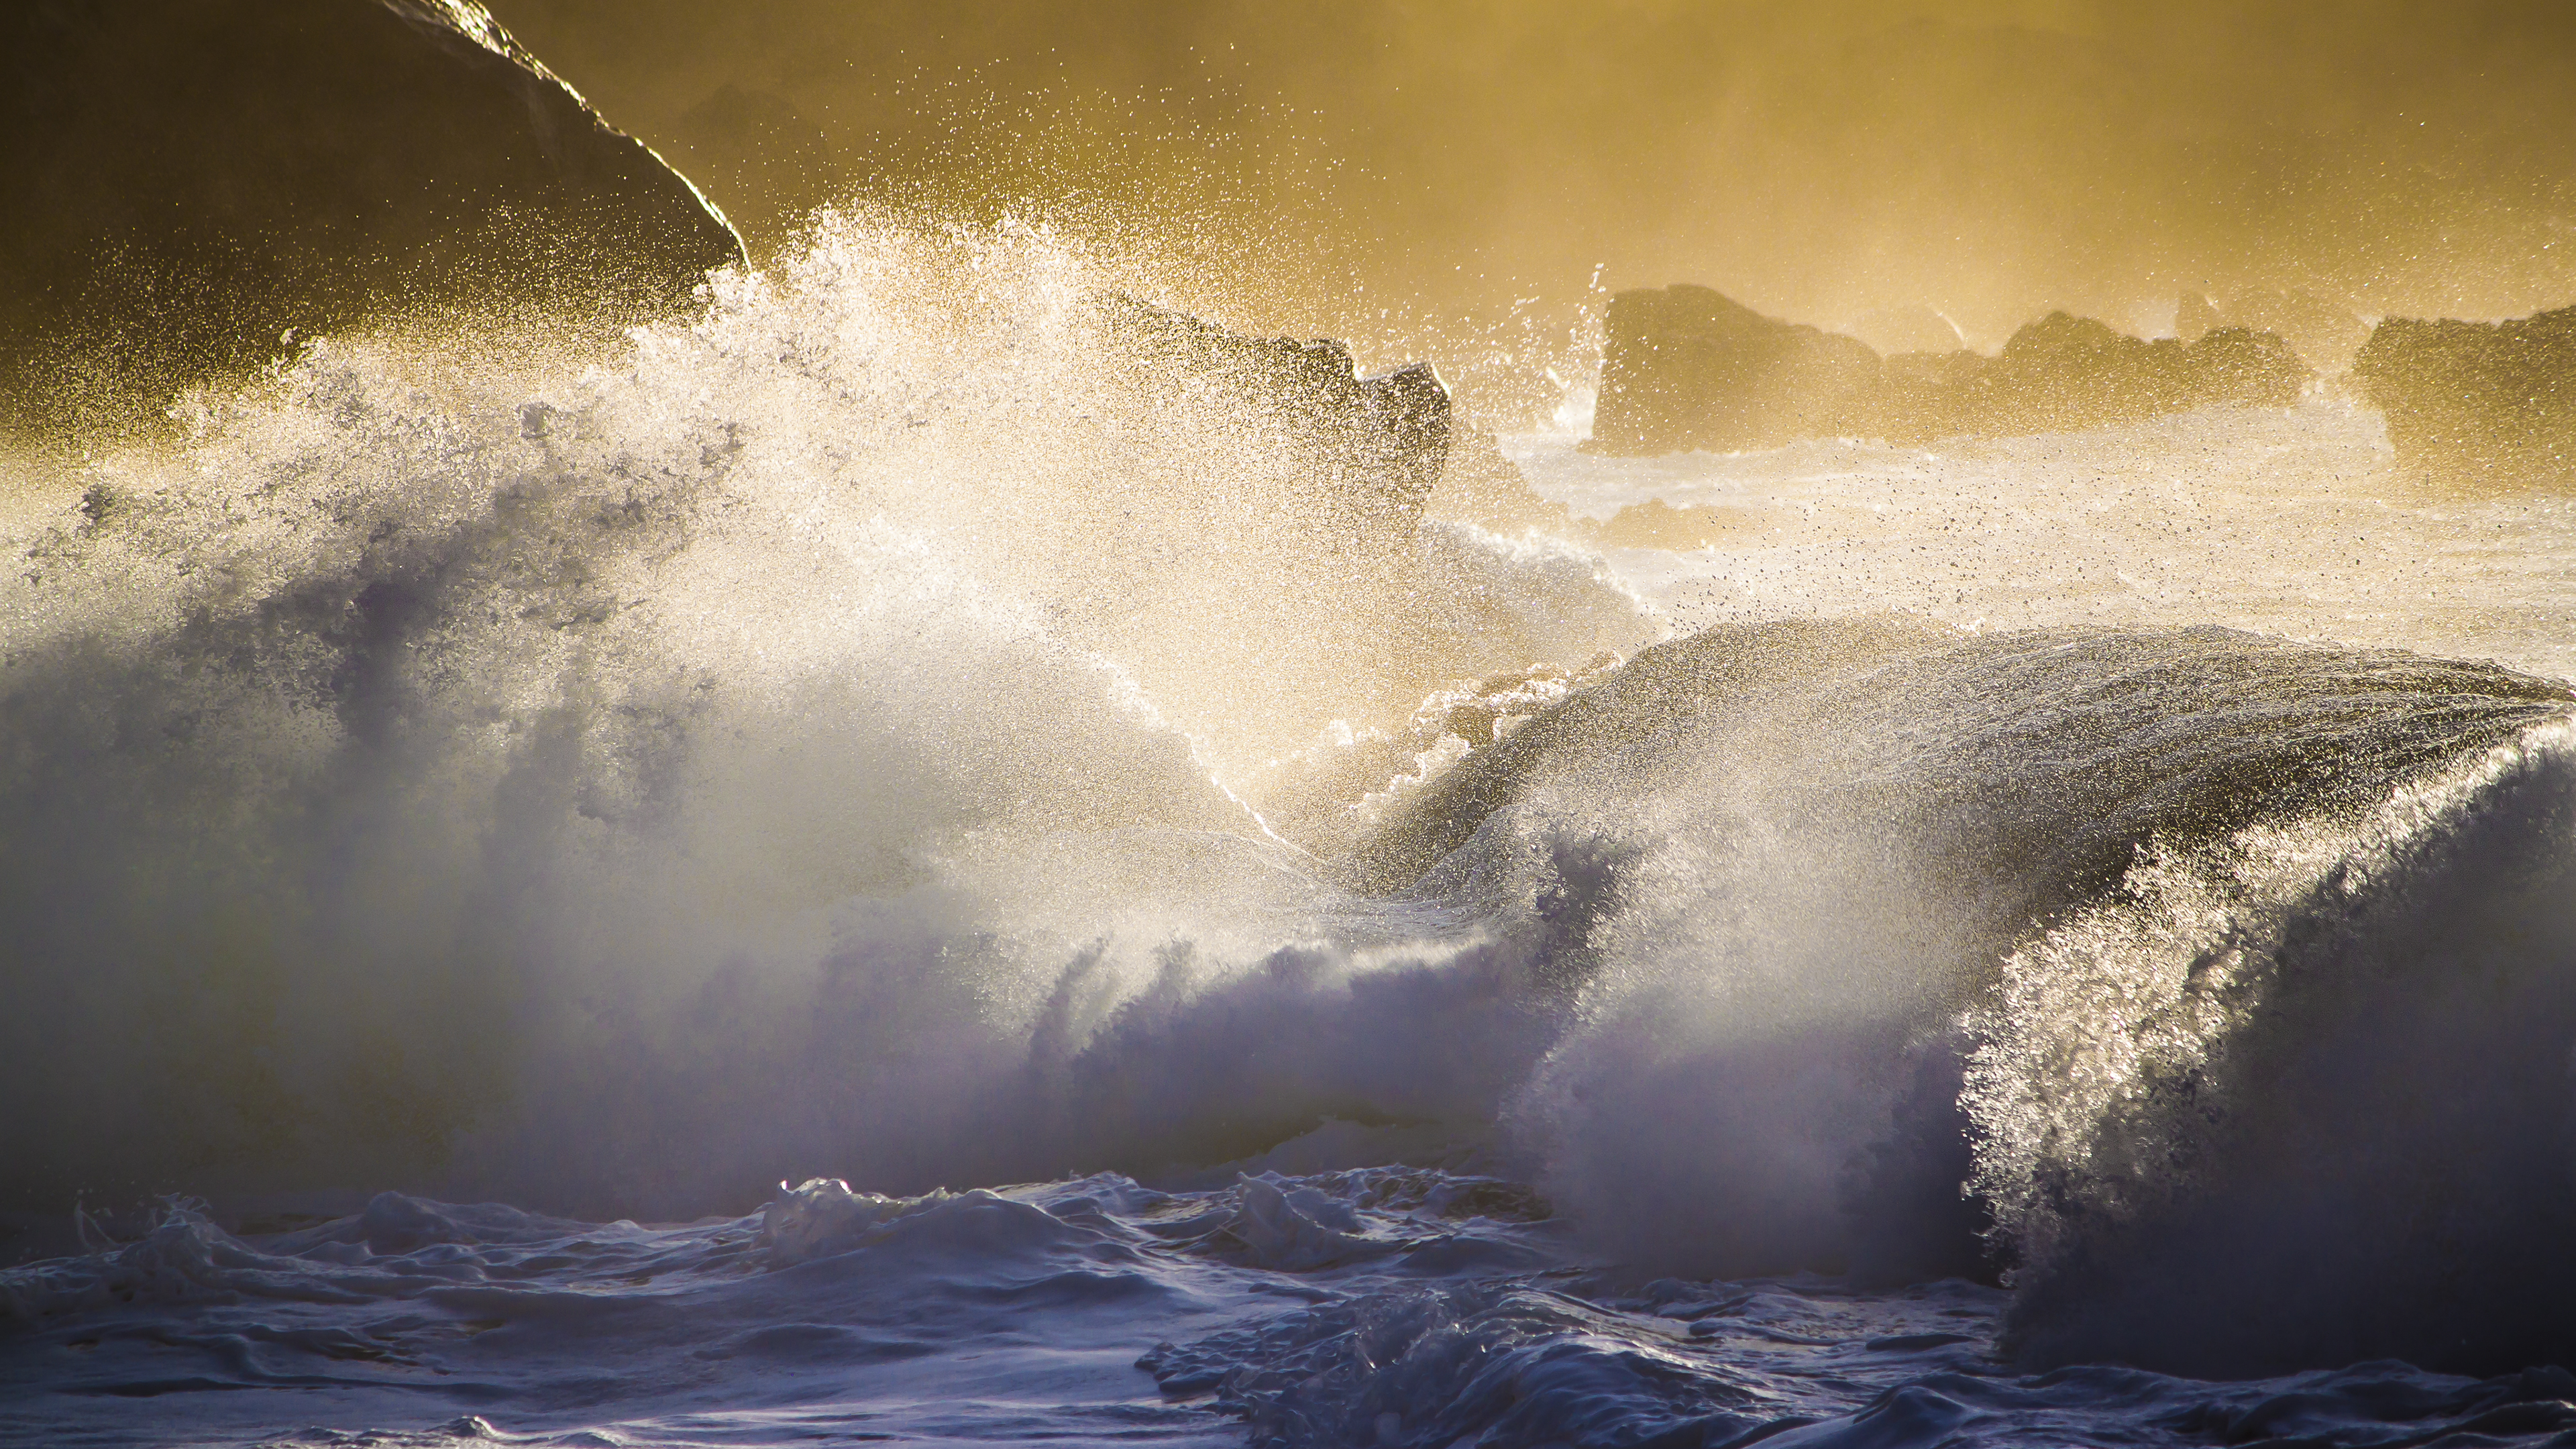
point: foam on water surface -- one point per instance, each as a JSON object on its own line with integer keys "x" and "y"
{"x": 1043, "y": 1312}
{"x": 2289, "y": 521}
{"x": 478, "y": 826}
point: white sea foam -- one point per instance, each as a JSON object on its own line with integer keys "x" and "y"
{"x": 614, "y": 789}
{"x": 878, "y": 738}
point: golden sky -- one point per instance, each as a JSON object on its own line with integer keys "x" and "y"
{"x": 1466, "y": 167}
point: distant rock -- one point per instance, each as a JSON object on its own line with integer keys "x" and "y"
{"x": 2477, "y": 404}
{"x": 2063, "y": 373}
{"x": 1378, "y": 454}
{"x": 1371, "y": 448}
{"x": 191, "y": 178}
{"x": 1687, "y": 368}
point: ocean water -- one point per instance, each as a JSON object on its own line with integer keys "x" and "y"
{"x": 864, "y": 870}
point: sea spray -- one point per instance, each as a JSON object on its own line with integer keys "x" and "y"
{"x": 851, "y": 738}
{"x": 2301, "y": 1096}
{"x": 616, "y": 789}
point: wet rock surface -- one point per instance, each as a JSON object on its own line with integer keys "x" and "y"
{"x": 1373, "y": 446}
{"x": 1687, "y": 368}
{"x": 2477, "y": 404}
{"x": 192, "y": 180}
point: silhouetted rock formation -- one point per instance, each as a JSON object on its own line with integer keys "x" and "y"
{"x": 1372, "y": 447}
{"x": 2477, "y": 403}
{"x": 2062, "y": 373}
{"x": 1687, "y": 368}
{"x": 192, "y": 177}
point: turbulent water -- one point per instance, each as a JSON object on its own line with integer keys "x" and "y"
{"x": 2064, "y": 940}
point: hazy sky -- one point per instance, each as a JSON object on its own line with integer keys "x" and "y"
{"x": 1447, "y": 162}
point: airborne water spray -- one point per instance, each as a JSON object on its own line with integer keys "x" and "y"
{"x": 618, "y": 789}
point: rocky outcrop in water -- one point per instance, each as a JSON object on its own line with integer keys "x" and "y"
{"x": 2477, "y": 404}
{"x": 1688, "y": 368}
{"x": 1379, "y": 454}
{"x": 191, "y": 178}
{"x": 1372, "y": 448}
{"x": 2063, "y": 373}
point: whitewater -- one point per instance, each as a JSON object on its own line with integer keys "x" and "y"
{"x": 870, "y": 867}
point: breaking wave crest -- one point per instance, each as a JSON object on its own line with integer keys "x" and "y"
{"x": 882, "y": 731}
{"x": 2304, "y": 1097}
{"x": 780, "y": 751}
{"x": 1816, "y": 879}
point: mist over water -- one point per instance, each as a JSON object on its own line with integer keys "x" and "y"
{"x": 596, "y": 787}
{"x": 2288, "y": 521}
{"x": 881, "y": 729}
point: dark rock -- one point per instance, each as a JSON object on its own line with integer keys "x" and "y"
{"x": 2063, "y": 373}
{"x": 2242, "y": 367}
{"x": 194, "y": 177}
{"x": 1371, "y": 448}
{"x": 1686, "y": 368}
{"x": 1925, "y": 395}
{"x": 2477, "y": 404}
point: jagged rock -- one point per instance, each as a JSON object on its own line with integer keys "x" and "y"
{"x": 1686, "y": 368}
{"x": 1927, "y": 395}
{"x": 2474, "y": 404}
{"x": 193, "y": 177}
{"x": 2063, "y": 373}
{"x": 1372, "y": 447}
{"x": 2242, "y": 367}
